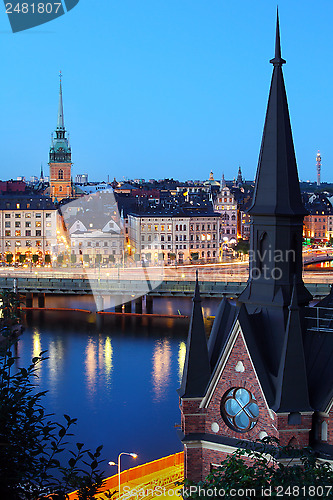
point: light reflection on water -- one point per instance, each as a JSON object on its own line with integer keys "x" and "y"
{"x": 119, "y": 380}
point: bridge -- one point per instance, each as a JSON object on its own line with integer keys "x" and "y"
{"x": 129, "y": 288}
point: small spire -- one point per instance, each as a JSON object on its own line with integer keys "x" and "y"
{"x": 41, "y": 171}
{"x": 277, "y": 61}
{"x": 196, "y": 372}
{"x": 60, "y": 123}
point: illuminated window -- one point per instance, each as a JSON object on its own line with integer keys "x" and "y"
{"x": 38, "y": 223}
{"x": 239, "y": 409}
{"x": 18, "y": 232}
{"x": 38, "y": 243}
{"x": 28, "y": 243}
{"x": 17, "y": 216}
{"x": 17, "y": 243}
{"x": 28, "y": 216}
{"x": 18, "y": 206}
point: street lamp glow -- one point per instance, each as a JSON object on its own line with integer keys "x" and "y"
{"x": 133, "y": 455}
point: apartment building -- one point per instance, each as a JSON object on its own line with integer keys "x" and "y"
{"x": 28, "y": 227}
{"x": 183, "y": 236}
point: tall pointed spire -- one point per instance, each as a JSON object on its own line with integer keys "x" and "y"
{"x": 277, "y": 210}
{"x": 277, "y": 188}
{"x": 60, "y": 122}
{"x": 196, "y": 371}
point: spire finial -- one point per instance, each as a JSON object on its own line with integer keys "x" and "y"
{"x": 277, "y": 61}
{"x": 60, "y": 123}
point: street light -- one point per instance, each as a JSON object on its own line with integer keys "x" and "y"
{"x": 133, "y": 455}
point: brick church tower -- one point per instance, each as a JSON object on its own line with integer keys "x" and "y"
{"x": 267, "y": 366}
{"x": 60, "y": 159}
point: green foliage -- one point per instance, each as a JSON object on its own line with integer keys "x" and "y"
{"x": 22, "y": 258}
{"x": 284, "y": 472}
{"x": 35, "y": 459}
{"x": 35, "y": 258}
{"x": 47, "y": 259}
{"x": 73, "y": 258}
{"x": 242, "y": 246}
{"x": 9, "y": 258}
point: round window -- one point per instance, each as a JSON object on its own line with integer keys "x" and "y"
{"x": 239, "y": 409}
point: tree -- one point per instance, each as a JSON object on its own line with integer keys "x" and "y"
{"x": 9, "y": 258}
{"x": 34, "y": 450}
{"x": 257, "y": 473}
{"x": 242, "y": 246}
{"x": 35, "y": 258}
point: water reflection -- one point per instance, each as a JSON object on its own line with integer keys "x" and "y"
{"x": 98, "y": 361}
{"x": 181, "y": 360}
{"x": 91, "y": 365}
{"x": 161, "y": 368}
{"x": 55, "y": 356}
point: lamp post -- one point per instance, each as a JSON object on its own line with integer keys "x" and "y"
{"x": 133, "y": 455}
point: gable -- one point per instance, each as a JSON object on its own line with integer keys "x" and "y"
{"x": 235, "y": 369}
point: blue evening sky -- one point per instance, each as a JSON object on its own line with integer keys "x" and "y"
{"x": 166, "y": 88}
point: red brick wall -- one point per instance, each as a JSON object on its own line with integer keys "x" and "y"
{"x": 298, "y": 434}
{"x": 248, "y": 379}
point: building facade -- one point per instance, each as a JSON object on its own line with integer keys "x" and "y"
{"x": 28, "y": 228}
{"x": 175, "y": 238}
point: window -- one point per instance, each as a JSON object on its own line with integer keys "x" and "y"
{"x": 38, "y": 216}
{"x": 28, "y": 232}
{"x": 89, "y": 244}
{"x": 18, "y": 232}
{"x": 7, "y": 233}
{"x": 38, "y": 232}
{"x": 7, "y": 224}
{"x": 162, "y": 227}
{"x": 149, "y": 227}
{"x": 28, "y": 224}
{"x": 7, "y": 244}
{"x": 17, "y": 216}
{"x": 184, "y": 247}
{"x": 48, "y": 216}
{"x": 28, "y": 215}
{"x": 105, "y": 244}
{"x": 17, "y": 243}
{"x": 169, "y": 237}
{"x": 239, "y": 409}
{"x": 18, "y": 224}
{"x": 162, "y": 237}
{"x": 28, "y": 243}
{"x": 142, "y": 237}
{"x": 7, "y": 216}
{"x": 60, "y": 174}
{"x": 18, "y": 206}
{"x": 48, "y": 224}
{"x": 176, "y": 227}
{"x": 197, "y": 227}
{"x": 38, "y": 243}
{"x": 169, "y": 227}
{"x": 184, "y": 227}
{"x": 38, "y": 223}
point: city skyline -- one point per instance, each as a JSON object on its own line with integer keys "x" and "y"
{"x": 165, "y": 90}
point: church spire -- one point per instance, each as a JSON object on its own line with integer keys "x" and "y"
{"x": 277, "y": 188}
{"x": 196, "y": 371}
{"x": 60, "y": 122}
{"x": 277, "y": 210}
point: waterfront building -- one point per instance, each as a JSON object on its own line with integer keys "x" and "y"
{"x": 60, "y": 159}
{"x": 266, "y": 368}
{"x": 182, "y": 236}
{"x": 28, "y": 228}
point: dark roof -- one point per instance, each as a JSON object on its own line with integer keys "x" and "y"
{"x": 25, "y": 201}
{"x": 292, "y": 393}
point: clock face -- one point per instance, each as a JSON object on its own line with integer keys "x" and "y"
{"x": 239, "y": 409}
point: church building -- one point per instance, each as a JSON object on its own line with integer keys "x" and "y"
{"x": 267, "y": 367}
{"x": 60, "y": 159}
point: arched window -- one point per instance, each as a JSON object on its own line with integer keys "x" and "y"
{"x": 324, "y": 431}
{"x": 60, "y": 174}
{"x": 60, "y": 189}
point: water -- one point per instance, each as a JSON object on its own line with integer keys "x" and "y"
{"x": 119, "y": 379}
